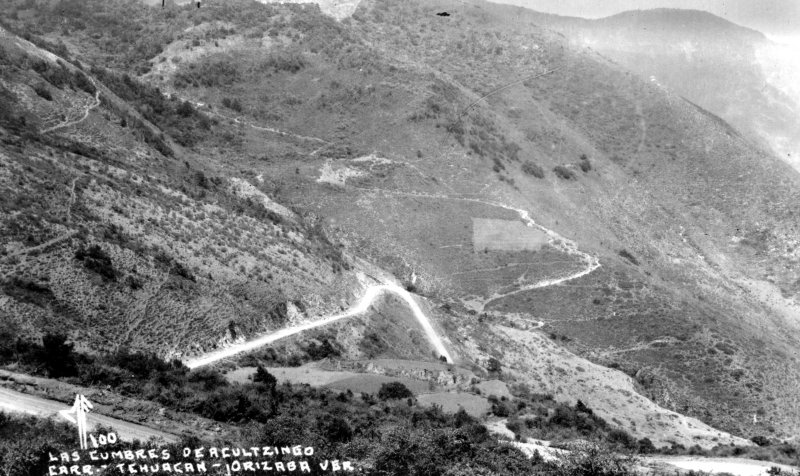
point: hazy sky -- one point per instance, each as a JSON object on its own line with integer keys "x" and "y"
{"x": 776, "y": 17}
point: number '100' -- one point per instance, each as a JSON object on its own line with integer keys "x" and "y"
{"x": 102, "y": 440}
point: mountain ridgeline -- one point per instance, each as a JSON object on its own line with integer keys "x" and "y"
{"x": 725, "y": 68}
{"x": 176, "y": 179}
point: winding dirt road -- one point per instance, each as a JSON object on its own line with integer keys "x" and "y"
{"x": 555, "y": 240}
{"x": 372, "y": 293}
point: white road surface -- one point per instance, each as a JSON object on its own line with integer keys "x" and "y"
{"x": 12, "y": 401}
{"x": 363, "y": 304}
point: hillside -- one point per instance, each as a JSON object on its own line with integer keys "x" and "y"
{"x": 209, "y": 175}
{"x": 725, "y": 68}
{"x": 118, "y": 235}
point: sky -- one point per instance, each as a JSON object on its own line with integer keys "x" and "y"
{"x": 777, "y": 18}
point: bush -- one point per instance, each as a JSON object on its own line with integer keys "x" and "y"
{"x": 57, "y": 356}
{"x": 760, "y": 440}
{"x": 622, "y": 438}
{"x": 43, "y": 92}
{"x": 394, "y": 390}
{"x": 58, "y": 76}
{"x": 645, "y": 446}
{"x": 593, "y": 460}
{"x": 494, "y": 365}
{"x": 82, "y": 82}
{"x": 628, "y": 256}
{"x": 322, "y": 351}
{"x": 185, "y": 109}
{"x": 533, "y": 169}
{"x": 96, "y": 260}
{"x": 285, "y": 61}
{"x": 585, "y": 165}
{"x": 564, "y": 173}
{"x": 232, "y": 104}
{"x": 264, "y": 377}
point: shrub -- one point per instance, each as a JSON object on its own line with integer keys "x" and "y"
{"x": 179, "y": 269}
{"x": 622, "y": 438}
{"x": 185, "y": 109}
{"x": 43, "y": 92}
{"x": 585, "y": 165}
{"x": 57, "y": 356}
{"x": 285, "y": 61}
{"x": 564, "y": 173}
{"x": 58, "y": 76}
{"x": 645, "y": 446}
{"x": 394, "y": 390}
{"x": 501, "y": 410}
{"x": 82, "y": 82}
{"x": 322, "y": 351}
{"x": 96, "y": 260}
{"x": 628, "y": 256}
{"x": 232, "y": 104}
{"x": 264, "y": 377}
{"x": 531, "y": 168}
{"x": 494, "y": 365}
{"x": 593, "y": 460}
{"x": 760, "y": 440}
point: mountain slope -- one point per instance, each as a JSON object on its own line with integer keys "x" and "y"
{"x": 725, "y": 68}
{"x": 417, "y": 141}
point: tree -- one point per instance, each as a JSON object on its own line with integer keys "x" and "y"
{"x": 531, "y": 168}
{"x": 394, "y": 390}
{"x": 335, "y": 429}
{"x": 185, "y": 109}
{"x": 262, "y": 376}
{"x": 581, "y": 407}
{"x": 494, "y": 365}
{"x": 57, "y": 356}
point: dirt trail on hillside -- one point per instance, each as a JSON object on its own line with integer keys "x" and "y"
{"x": 85, "y": 115}
{"x": 16, "y": 402}
{"x": 44, "y": 245}
{"x": 372, "y": 293}
{"x": 238, "y": 120}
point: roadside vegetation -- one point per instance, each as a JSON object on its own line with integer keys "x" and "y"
{"x": 362, "y": 427}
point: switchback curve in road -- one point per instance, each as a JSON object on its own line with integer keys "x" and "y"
{"x": 372, "y": 293}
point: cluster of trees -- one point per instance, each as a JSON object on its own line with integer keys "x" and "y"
{"x": 534, "y": 169}
{"x": 97, "y": 260}
{"x": 59, "y": 75}
{"x": 564, "y": 172}
{"x": 179, "y": 119}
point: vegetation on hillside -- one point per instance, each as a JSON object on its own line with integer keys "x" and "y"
{"x": 438, "y": 80}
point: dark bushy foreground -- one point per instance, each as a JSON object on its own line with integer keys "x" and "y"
{"x": 389, "y": 435}
{"x": 393, "y": 435}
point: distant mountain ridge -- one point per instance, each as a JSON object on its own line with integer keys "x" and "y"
{"x": 723, "y": 67}
{"x": 684, "y": 20}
